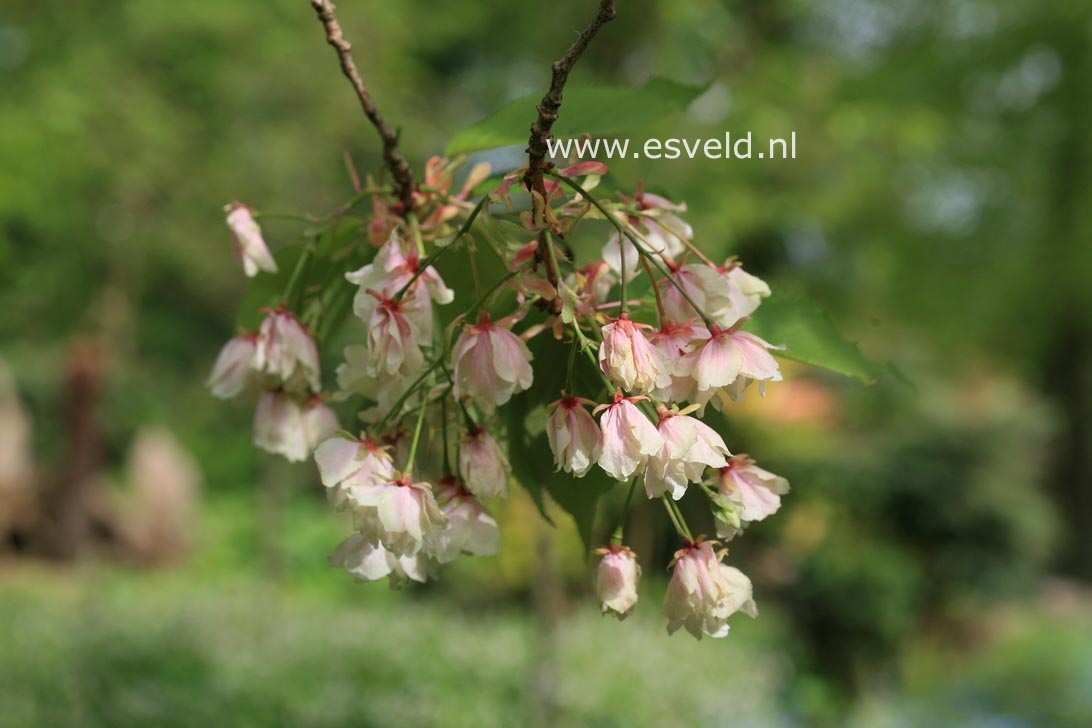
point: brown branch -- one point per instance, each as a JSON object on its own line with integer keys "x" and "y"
{"x": 551, "y": 102}
{"x": 400, "y": 169}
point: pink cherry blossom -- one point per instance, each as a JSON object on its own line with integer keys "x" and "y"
{"x": 491, "y": 363}
{"x": 725, "y": 295}
{"x": 249, "y": 244}
{"x": 400, "y": 515}
{"x": 369, "y": 562}
{"x": 616, "y": 580}
{"x": 672, "y": 342}
{"x": 285, "y": 354}
{"x": 757, "y": 492}
{"x": 393, "y": 345}
{"x": 575, "y": 438}
{"x": 233, "y": 371}
{"x": 629, "y": 438}
{"x": 628, "y": 359}
{"x": 345, "y": 462}
{"x": 690, "y": 446}
{"x": 283, "y": 425}
{"x": 470, "y": 529}
{"x": 482, "y": 465}
{"x": 704, "y": 593}
{"x": 728, "y": 358}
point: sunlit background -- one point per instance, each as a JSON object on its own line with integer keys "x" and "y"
{"x": 930, "y": 566}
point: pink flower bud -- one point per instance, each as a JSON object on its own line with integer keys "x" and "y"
{"x": 285, "y": 354}
{"x": 345, "y": 463}
{"x": 628, "y": 359}
{"x": 249, "y": 244}
{"x": 482, "y": 465}
{"x": 575, "y": 438}
{"x": 285, "y": 426}
{"x": 491, "y": 363}
{"x": 628, "y": 438}
{"x": 233, "y": 372}
{"x": 729, "y": 358}
{"x": 758, "y": 492}
{"x": 369, "y": 562}
{"x": 470, "y": 529}
{"x": 401, "y": 516}
{"x": 689, "y": 447}
{"x": 616, "y": 580}
{"x": 704, "y": 593}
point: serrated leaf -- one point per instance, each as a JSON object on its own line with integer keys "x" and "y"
{"x": 811, "y": 337}
{"x": 596, "y": 110}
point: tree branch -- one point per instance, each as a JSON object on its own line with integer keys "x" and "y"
{"x": 551, "y": 102}
{"x": 400, "y": 169}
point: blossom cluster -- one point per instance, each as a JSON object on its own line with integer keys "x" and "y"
{"x": 429, "y": 383}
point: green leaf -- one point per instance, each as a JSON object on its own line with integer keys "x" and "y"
{"x": 811, "y": 337}
{"x": 597, "y": 110}
{"x": 529, "y": 449}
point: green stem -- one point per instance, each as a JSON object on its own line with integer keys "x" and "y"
{"x": 676, "y": 518}
{"x": 416, "y": 437}
{"x": 443, "y": 432}
{"x": 415, "y": 230}
{"x": 293, "y": 292}
{"x": 406, "y": 395}
{"x": 485, "y": 296}
{"x": 572, "y": 362}
{"x": 423, "y": 265}
{"x": 636, "y": 244}
{"x": 617, "y": 537}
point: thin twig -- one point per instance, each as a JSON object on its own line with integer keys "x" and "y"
{"x": 551, "y": 102}
{"x": 399, "y": 167}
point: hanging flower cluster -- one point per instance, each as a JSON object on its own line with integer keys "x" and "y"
{"x": 429, "y": 370}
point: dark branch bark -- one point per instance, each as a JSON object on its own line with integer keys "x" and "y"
{"x": 551, "y": 102}
{"x": 400, "y": 169}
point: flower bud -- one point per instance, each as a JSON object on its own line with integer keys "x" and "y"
{"x": 470, "y": 529}
{"x": 482, "y": 465}
{"x": 575, "y": 438}
{"x": 616, "y": 580}
{"x": 704, "y": 592}
{"x": 401, "y": 516}
{"x": 370, "y": 562}
{"x": 491, "y": 363}
{"x": 285, "y": 354}
{"x": 628, "y": 438}
{"x": 249, "y": 244}
{"x": 628, "y": 359}
{"x": 285, "y": 426}
{"x": 233, "y": 372}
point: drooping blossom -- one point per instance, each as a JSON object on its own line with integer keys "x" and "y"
{"x": 756, "y": 492}
{"x": 575, "y": 439}
{"x": 662, "y": 229}
{"x": 400, "y": 515}
{"x": 690, "y": 446}
{"x": 249, "y": 244}
{"x": 616, "y": 580}
{"x": 730, "y": 359}
{"x": 470, "y": 529}
{"x": 390, "y": 271}
{"x": 619, "y": 252}
{"x": 704, "y": 592}
{"x": 285, "y": 354}
{"x": 394, "y": 341}
{"x": 672, "y": 342}
{"x": 628, "y": 359}
{"x": 345, "y": 463}
{"x": 370, "y": 562}
{"x": 233, "y": 371}
{"x": 482, "y": 465}
{"x": 629, "y": 438}
{"x": 725, "y": 295}
{"x": 491, "y": 363}
{"x": 284, "y": 425}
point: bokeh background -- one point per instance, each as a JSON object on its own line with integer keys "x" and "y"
{"x": 931, "y": 565}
